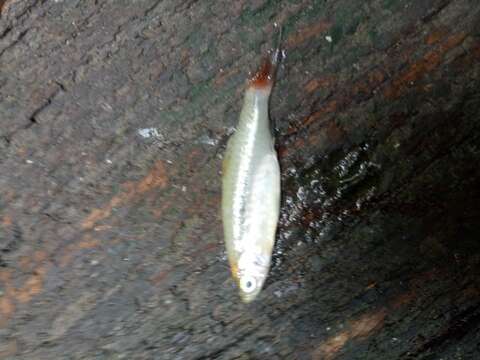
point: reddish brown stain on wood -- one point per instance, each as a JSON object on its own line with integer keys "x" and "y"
{"x": 403, "y": 299}
{"x": 32, "y": 286}
{"x": 476, "y": 51}
{"x": 7, "y": 308}
{"x": 471, "y": 292}
{"x": 97, "y": 215}
{"x": 87, "y": 242}
{"x": 368, "y": 84}
{"x": 322, "y": 82}
{"x": 40, "y": 256}
{"x": 156, "y": 178}
{"x": 359, "y": 328}
{"x": 368, "y": 323}
{"x": 307, "y": 33}
{"x": 334, "y": 132}
{"x": 2, "y": 5}
{"x": 373, "y": 80}
{"x": 5, "y": 275}
{"x": 8, "y": 349}
{"x": 209, "y": 247}
{"x": 27, "y": 263}
{"x": 418, "y": 69}
{"x": 435, "y": 36}
{"x": 329, "y": 349}
{"x": 7, "y": 221}
{"x": 329, "y": 107}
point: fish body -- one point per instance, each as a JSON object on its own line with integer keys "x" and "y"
{"x": 251, "y": 188}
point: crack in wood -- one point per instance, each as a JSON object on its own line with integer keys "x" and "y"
{"x": 15, "y": 42}
{"x": 48, "y": 102}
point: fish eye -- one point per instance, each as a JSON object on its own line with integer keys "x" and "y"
{"x": 248, "y": 284}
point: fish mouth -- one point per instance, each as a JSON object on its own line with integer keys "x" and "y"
{"x": 248, "y": 298}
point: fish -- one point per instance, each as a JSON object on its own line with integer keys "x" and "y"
{"x": 251, "y": 186}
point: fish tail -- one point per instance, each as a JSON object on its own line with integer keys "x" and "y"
{"x": 265, "y": 75}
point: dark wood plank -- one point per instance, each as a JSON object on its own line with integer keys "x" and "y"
{"x": 113, "y": 119}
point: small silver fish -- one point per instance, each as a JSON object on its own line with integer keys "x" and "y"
{"x": 251, "y": 187}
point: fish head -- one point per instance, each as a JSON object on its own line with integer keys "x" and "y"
{"x": 250, "y": 286}
{"x": 252, "y": 270}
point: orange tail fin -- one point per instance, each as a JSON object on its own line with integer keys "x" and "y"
{"x": 265, "y": 74}
{"x": 263, "y": 78}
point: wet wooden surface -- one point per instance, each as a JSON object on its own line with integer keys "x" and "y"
{"x": 113, "y": 119}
